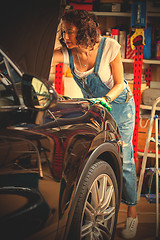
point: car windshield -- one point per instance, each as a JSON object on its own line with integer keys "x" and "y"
{"x": 10, "y": 84}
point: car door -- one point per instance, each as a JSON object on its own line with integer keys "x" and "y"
{"x": 29, "y": 194}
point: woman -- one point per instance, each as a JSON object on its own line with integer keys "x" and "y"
{"x": 96, "y": 66}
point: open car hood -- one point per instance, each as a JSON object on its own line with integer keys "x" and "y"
{"x": 28, "y": 32}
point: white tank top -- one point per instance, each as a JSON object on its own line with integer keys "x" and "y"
{"x": 110, "y": 52}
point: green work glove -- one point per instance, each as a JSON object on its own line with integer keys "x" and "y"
{"x": 101, "y": 101}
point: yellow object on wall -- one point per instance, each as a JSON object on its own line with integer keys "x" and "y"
{"x": 68, "y": 73}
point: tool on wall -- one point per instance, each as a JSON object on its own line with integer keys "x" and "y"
{"x": 58, "y": 82}
{"x": 148, "y": 75}
{"x": 138, "y": 22}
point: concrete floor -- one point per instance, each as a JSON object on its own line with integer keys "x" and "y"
{"x": 146, "y": 218}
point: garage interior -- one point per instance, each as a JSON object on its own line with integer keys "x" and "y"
{"x": 118, "y": 20}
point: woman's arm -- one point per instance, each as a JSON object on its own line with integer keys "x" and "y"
{"x": 118, "y": 77}
{"x": 57, "y": 58}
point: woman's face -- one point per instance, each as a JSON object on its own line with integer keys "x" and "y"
{"x": 69, "y": 34}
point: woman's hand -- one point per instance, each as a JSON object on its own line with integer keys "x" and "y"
{"x": 101, "y": 101}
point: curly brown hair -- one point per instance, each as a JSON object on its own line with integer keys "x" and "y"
{"x": 87, "y": 25}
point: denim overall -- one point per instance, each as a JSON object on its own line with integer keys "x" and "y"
{"x": 123, "y": 111}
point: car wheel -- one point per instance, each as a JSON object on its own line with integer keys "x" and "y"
{"x": 95, "y": 215}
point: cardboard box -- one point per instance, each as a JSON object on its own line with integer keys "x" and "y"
{"x": 82, "y": 5}
{"x": 116, "y": 7}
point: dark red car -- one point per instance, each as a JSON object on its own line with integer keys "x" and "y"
{"x": 60, "y": 160}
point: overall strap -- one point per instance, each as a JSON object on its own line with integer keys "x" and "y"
{"x": 71, "y": 62}
{"x": 99, "y": 54}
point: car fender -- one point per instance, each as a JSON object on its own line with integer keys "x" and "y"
{"x": 98, "y": 153}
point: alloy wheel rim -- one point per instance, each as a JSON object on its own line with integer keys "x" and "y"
{"x": 99, "y": 210}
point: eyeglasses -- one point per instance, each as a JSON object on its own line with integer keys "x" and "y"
{"x": 69, "y": 32}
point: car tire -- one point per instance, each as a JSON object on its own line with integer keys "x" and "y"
{"x": 96, "y": 211}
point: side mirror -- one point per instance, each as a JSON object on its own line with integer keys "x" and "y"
{"x": 37, "y": 94}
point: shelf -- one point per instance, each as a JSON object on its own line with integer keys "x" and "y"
{"x": 124, "y": 14}
{"x": 145, "y": 61}
{"x": 153, "y": 14}
{"x": 147, "y": 107}
{"x": 151, "y": 61}
{"x": 113, "y": 14}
